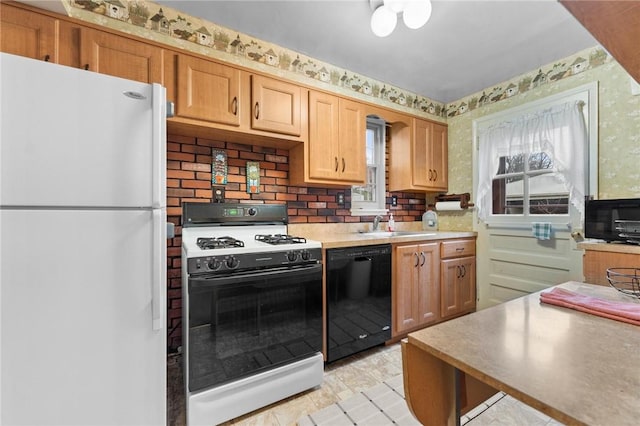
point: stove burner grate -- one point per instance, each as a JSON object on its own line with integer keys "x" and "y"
{"x": 206, "y": 243}
{"x": 280, "y": 239}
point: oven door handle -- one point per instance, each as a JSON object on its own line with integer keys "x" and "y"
{"x": 208, "y": 282}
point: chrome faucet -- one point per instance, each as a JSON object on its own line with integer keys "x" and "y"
{"x": 376, "y": 222}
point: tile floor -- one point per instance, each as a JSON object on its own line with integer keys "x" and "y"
{"x": 364, "y": 389}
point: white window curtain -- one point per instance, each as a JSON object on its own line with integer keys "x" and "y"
{"x": 559, "y": 131}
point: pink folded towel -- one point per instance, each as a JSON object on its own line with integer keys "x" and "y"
{"x": 620, "y": 311}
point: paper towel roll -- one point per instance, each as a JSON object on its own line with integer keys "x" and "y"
{"x": 448, "y": 206}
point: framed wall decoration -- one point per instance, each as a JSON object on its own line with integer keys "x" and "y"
{"x": 219, "y": 167}
{"x": 253, "y": 177}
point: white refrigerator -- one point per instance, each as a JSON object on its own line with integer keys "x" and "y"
{"x": 82, "y": 247}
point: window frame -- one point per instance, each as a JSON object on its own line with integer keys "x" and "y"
{"x": 587, "y": 93}
{"x": 369, "y": 208}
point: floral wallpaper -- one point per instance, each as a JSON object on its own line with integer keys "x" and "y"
{"x": 619, "y": 129}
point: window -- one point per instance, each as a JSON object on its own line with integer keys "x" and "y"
{"x": 537, "y": 161}
{"x": 528, "y": 182}
{"x": 369, "y": 199}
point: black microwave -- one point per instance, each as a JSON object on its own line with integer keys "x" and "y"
{"x": 612, "y": 220}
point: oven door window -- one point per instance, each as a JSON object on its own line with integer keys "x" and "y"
{"x": 243, "y": 324}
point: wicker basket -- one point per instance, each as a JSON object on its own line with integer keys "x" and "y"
{"x": 625, "y": 280}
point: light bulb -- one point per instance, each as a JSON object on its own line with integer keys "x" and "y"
{"x": 395, "y": 5}
{"x": 416, "y": 13}
{"x": 383, "y": 21}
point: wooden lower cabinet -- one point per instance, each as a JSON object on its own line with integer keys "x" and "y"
{"x": 600, "y": 257}
{"x": 433, "y": 281}
{"x": 457, "y": 277}
{"x": 416, "y": 295}
{"x": 457, "y": 286}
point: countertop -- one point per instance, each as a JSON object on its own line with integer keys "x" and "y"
{"x": 576, "y": 367}
{"x": 597, "y": 245}
{"x": 334, "y": 237}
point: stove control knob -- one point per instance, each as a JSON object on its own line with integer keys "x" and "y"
{"x": 305, "y": 255}
{"x": 252, "y": 211}
{"x": 214, "y": 264}
{"x": 232, "y": 262}
{"x": 292, "y": 256}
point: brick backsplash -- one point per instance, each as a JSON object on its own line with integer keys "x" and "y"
{"x": 189, "y": 179}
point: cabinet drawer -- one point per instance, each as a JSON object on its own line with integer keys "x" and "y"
{"x": 457, "y": 248}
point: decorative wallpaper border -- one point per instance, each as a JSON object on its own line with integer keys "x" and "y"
{"x": 165, "y": 25}
{"x": 168, "y": 26}
{"x": 549, "y": 73}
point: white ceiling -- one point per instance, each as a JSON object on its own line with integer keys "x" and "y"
{"x": 466, "y": 46}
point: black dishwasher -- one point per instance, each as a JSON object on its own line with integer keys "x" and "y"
{"x": 358, "y": 299}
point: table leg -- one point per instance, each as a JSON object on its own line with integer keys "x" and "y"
{"x": 436, "y": 392}
{"x": 429, "y": 387}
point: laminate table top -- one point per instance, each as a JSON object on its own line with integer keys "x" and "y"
{"x": 575, "y": 367}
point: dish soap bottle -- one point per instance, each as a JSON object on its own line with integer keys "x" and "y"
{"x": 392, "y": 223}
{"x": 430, "y": 220}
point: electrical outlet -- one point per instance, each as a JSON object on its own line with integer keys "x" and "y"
{"x": 218, "y": 194}
{"x": 394, "y": 200}
{"x": 340, "y": 198}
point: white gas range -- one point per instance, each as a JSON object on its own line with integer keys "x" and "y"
{"x": 252, "y": 309}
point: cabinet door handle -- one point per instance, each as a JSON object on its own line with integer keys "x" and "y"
{"x": 86, "y": 67}
{"x": 464, "y": 270}
{"x": 430, "y": 174}
{"x": 435, "y": 175}
{"x": 46, "y": 58}
{"x": 417, "y": 260}
{"x": 459, "y": 271}
{"x": 424, "y": 259}
{"x": 256, "y": 110}
{"x": 336, "y": 160}
{"x": 344, "y": 164}
{"x": 234, "y": 105}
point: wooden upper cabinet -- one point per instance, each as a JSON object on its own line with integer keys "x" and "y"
{"x": 616, "y": 25}
{"x": 208, "y": 91}
{"x": 419, "y": 157}
{"x": 276, "y": 106}
{"x": 352, "y": 133}
{"x": 430, "y": 155}
{"x": 120, "y": 56}
{"x": 324, "y": 147}
{"x": 440, "y": 157}
{"x": 29, "y": 34}
{"x": 335, "y": 151}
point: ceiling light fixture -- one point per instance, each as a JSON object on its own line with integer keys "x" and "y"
{"x": 415, "y": 13}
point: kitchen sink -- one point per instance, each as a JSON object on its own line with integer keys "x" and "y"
{"x": 383, "y": 234}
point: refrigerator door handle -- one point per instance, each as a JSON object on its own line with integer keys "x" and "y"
{"x": 159, "y": 107}
{"x": 159, "y": 272}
